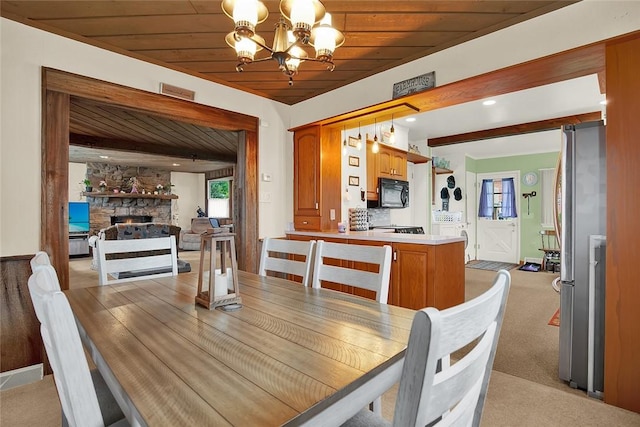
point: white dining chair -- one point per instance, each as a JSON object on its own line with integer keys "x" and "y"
{"x": 142, "y": 261}
{"x": 430, "y": 394}
{"x": 347, "y": 273}
{"x": 40, "y": 258}
{"x": 287, "y": 256}
{"x": 78, "y": 389}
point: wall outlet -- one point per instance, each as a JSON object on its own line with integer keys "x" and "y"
{"x": 266, "y": 177}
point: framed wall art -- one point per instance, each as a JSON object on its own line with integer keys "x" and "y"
{"x": 354, "y": 180}
{"x": 353, "y": 142}
{"x": 354, "y": 161}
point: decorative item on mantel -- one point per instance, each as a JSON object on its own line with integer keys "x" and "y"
{"x": 134, "y": 184}
{"x": 87, "y": 185}
{"x": 102, "y": 186}
{"x": 218, "y": 287}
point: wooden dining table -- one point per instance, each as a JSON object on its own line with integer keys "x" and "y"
{"x": 291, "y": 355}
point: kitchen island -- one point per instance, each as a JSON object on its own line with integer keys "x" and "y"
{"x": 426, "y": 270}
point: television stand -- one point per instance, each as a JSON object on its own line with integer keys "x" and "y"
{"x": 79, "y": 244}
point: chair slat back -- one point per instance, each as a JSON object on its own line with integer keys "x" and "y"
{"x": 47, "y": 282}
{"x": 147, "y": 265}
{"x": 377, "y": 281}
{"x": 549, "y": 240}
{"x": 457, "y": 392}
{"x": 66, "y": 355}
{"x": 41, "y": 258}
{"x": 282, "y": 256}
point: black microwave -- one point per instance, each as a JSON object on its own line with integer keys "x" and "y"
{"x": 393, "y": 193}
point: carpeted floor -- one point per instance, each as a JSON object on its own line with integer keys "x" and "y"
{"x": 491, "y": 265}
{"x": 524, "y": 388}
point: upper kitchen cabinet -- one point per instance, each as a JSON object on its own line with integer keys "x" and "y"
{"x": 392, "y": 163}
{"x": 388, "y": 162}
{"x": 316, "y": 175}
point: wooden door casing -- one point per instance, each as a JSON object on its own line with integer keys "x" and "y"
{"x": 58, "y": 86}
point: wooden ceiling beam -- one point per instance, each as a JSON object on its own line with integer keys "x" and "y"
{"x": 539, "y": 126}
{"x": 147, "y": 147}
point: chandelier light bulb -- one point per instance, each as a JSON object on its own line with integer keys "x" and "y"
{"x": 245, "y": 47}
{"x": 246, "y": 11}
{"x": 303, "y": 14}
{"x": 246, "y": 14}
{"x": 325, "y": 39}
{"x": 297, "y": 56}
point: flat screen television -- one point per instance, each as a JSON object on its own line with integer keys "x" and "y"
{"x": 78, "y": 217}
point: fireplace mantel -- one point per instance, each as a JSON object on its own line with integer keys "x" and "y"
{"x": 130, "y": 195}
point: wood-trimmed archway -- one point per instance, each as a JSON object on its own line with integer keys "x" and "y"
{"x": 57, "y": 88}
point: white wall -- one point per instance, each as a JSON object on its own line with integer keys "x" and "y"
{"x": 572, "y": 26}
{"x": 77, "y": 173}
{"x": 189, "y": 187}
{"x": 25, "y": 50}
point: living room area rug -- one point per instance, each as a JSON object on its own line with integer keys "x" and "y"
{"x": 555, "y": 319}
{"x": 491, "y": 265}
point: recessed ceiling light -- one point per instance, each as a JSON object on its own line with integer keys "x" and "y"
{"x": 176, "y": 164}
{"x": 410, "y": 119}
{"x": 104, "y": 157}
{"x": 489, "y": 102}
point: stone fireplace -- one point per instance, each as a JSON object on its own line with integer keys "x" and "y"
{"x": 108, "y": 207}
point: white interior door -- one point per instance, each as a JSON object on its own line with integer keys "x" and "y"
{"x": 499, "y": 239}
{"x": 471, "y": 214}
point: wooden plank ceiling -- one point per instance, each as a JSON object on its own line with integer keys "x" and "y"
{"x": 188, "y": 35}
{"x": 95, "y": 127}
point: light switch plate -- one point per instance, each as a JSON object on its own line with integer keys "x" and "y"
{"x": 266, "y": 177}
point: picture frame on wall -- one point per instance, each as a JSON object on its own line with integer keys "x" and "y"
{"x": 354, "y": 161}
{"x": 354, "y": 180}
{"x": 353, "y": 142}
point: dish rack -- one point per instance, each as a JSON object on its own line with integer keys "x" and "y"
{"x": 446, "y": 216}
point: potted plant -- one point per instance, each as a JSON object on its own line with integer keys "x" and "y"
{"x": 87, "y": 185}
{"x": 167, "y": 188}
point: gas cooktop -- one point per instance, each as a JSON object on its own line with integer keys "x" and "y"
{"x": 403, "y": 229}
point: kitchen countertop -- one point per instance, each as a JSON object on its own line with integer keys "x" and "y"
{"x": 384, "y": 235}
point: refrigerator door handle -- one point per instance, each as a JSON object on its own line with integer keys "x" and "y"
{"x": 565, "y": 349}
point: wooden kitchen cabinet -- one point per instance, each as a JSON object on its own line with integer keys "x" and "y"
{"x": 422, "y": 275}
{"x": 427, "y": 276}
{"x": 389, "y": 163}
{"x": 316, "y": 178}
{"x": 306, "y": 174}
{"x": 373, "y": 169}
{"x": 392, "y": 163}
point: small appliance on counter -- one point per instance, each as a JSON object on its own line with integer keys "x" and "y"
{"x": 358, "y": 219}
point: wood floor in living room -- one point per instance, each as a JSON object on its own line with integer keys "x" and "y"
{"x": 524, "y": 388}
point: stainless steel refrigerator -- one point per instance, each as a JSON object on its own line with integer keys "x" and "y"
{"x": 582, "y": 221}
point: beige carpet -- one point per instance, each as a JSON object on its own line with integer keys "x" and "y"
{"x": 524, "y": 389}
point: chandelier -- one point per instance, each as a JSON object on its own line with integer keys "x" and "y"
{"x": 302, "y": 23}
